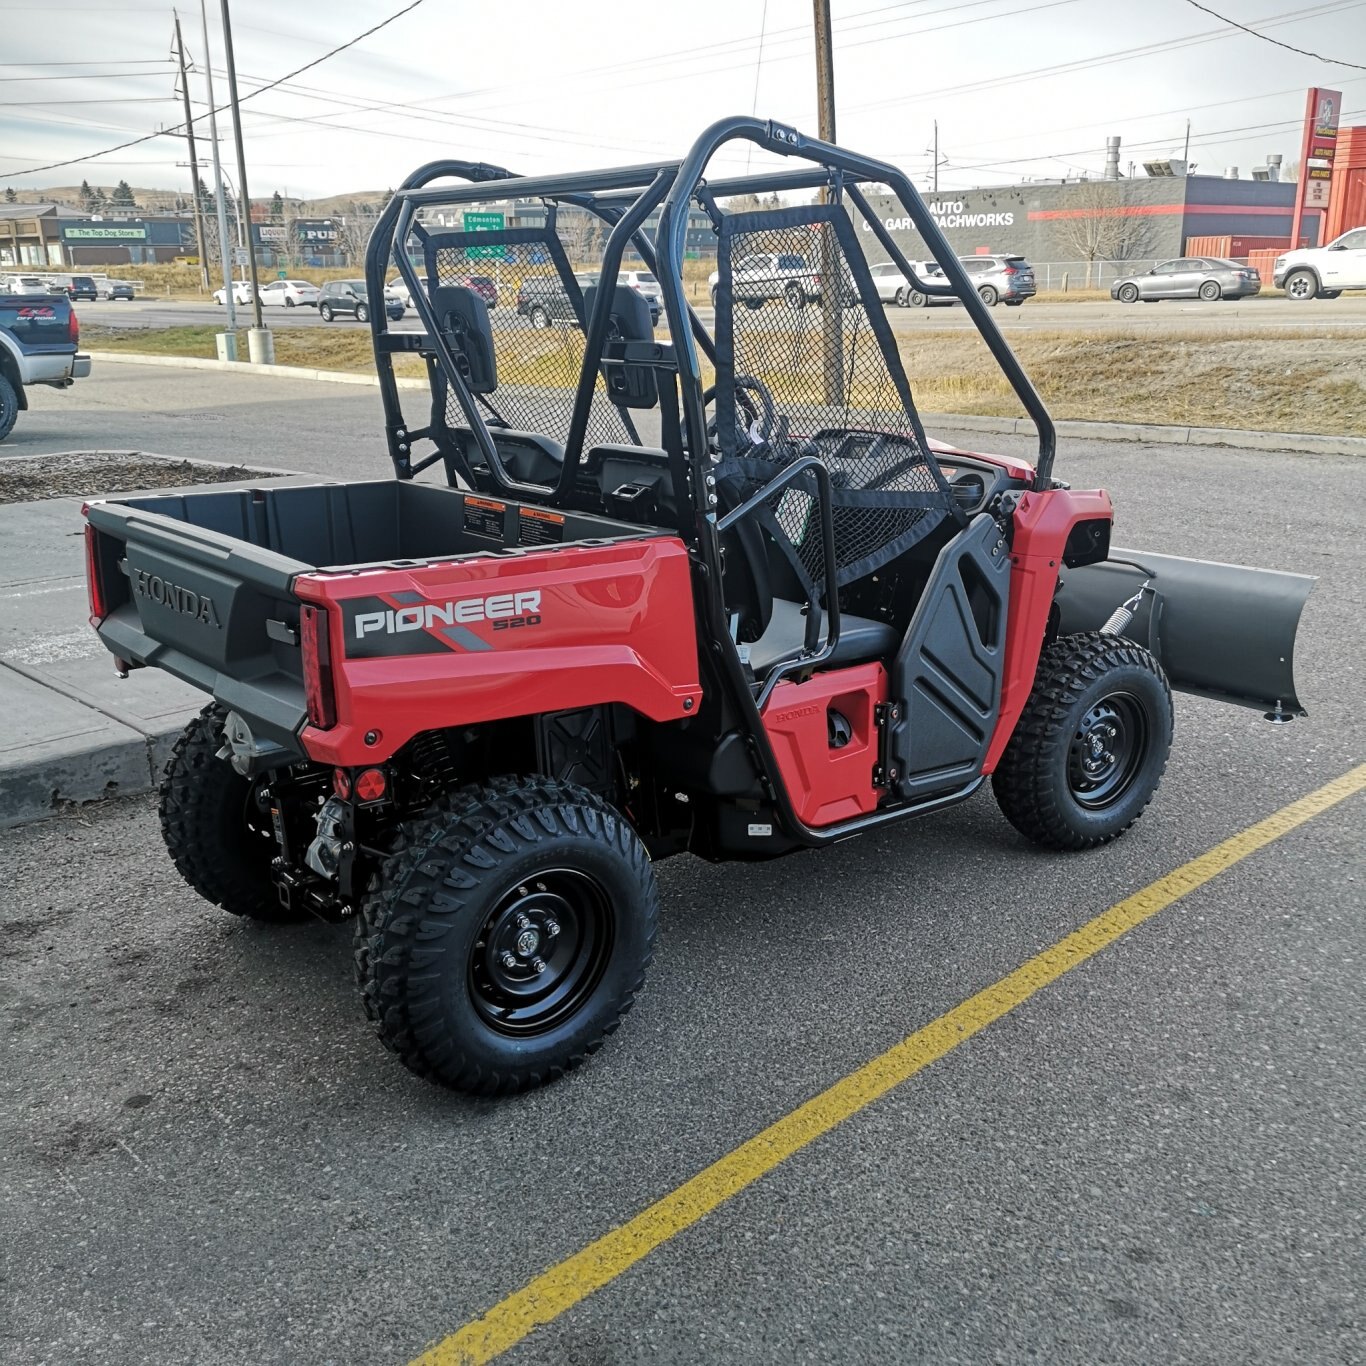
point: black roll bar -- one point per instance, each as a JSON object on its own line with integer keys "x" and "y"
{"x": 786, "y": 141}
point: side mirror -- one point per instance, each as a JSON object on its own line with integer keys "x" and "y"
{"x": 1336, "y": 246}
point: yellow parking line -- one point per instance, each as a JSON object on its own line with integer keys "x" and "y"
{"x": 602, "y": 1261}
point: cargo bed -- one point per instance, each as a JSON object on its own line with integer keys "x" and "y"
{"x": 201, "y": 584}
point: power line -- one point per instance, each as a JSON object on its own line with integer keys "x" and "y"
{"x": 1304, "y": 52}
{"x": 289, "y": 75}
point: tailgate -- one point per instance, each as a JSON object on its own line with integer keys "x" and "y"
{"x": 213, "y": 610}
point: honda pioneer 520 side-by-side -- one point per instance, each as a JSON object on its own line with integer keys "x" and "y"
{"x": 662, "y": 590}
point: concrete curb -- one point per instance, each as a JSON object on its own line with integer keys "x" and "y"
{"x": 1305, "y": 443}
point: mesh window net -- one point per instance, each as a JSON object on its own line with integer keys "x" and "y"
{"x": 533, "y": 281}
{"x": 807, "y": 367}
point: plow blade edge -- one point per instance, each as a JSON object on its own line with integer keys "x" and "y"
{"x": 1219, "y": 630}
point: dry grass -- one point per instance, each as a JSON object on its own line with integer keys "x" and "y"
{"x": 1303, "y": 383}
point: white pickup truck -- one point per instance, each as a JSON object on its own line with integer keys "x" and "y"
{"x": 1323, "y": 272}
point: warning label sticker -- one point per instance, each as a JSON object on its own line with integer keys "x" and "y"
{"x": 540, "y": 527}
{"x": 484, "y": 517}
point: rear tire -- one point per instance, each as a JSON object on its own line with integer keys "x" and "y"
{"x": 1210, "y": 291}
{"x": 456, "y": 921}
{"x": 917, "y": 300}
{"x": 289, "y": 303}
{"x": 9, "y": 407}
{"x": 989, "y": 295}
{"x": 1091, "y": 746}
{"x": 221, "y": 843}
{"x": 540, "y": 319}
{"x": 795, "y": 296}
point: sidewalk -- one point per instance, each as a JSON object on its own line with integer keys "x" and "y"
{"x": 70, "y": 729}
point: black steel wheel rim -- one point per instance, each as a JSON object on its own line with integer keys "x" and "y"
{"x": 1107, "y": 751}
{"x": 541, "y": 951}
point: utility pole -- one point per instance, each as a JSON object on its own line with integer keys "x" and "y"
{"x": 200, "y": 243}
{"x": 227, "y": 346}
{"x": 832, "y": 277}
{"x": 260, "y": 343}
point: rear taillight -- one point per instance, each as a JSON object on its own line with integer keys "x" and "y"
{"x": 319, "y": 694}
{"x": 73, "y": 329}
{"x": 1010, "y": 270}
{"x": 94, "y": 579}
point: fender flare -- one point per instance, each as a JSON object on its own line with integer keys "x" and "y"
{"x": 11, "y": 366}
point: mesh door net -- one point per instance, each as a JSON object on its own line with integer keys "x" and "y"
{"x": 796, "y": 311}
{"x": 536, "y": 311}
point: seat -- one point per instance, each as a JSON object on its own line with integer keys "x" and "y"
{"x": 784, "y": 638}
{"x": 630, "y": 386}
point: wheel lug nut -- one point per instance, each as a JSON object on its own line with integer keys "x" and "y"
{"x": 523, "y": 921}
{"x": 538, "y": 965}
{"x": 552, "y": 928}
{"x": 509, "y": 960}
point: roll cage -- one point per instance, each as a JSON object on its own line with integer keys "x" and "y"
{"x": 647, "y": 372}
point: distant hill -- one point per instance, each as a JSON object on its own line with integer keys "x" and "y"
{"x": 163, "y": 200}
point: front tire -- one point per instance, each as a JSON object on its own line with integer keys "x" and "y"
{"x": 325, "y": 312}
{"x": 289, "y": 303}
{"x": 508, "y": 936}
{"x": 795, "y": 297}
{"x": 362, "y": 313}
{"x": 1128, "y": 294}
{"x": 9, "y": 407}
{"x": 1301, "y": 285}
{"x": 1091, "y": 746}
{"x": 218, "y": 833}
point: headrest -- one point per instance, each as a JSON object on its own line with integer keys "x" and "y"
{"x": 464, "y": 317}
{"x": 631, "y": 386}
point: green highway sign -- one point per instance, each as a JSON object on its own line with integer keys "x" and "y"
{"x": 483, "y": 222}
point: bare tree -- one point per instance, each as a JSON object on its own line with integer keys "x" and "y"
{"x": 1101, "y": 227}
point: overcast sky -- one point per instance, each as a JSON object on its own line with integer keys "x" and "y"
{"x": 1021, "y": 88}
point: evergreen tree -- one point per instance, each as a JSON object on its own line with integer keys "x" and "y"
{"x": 122, "y": 197}
{"x": 10, "y": 196}
{"x": 277, "y": 208}
{"x": 90, "y": 201}
{"x": 206, "y": 200}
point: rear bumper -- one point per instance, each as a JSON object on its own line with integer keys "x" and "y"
{"x": 80, "y": 365}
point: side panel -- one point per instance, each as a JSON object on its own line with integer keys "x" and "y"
{"x": 1041, "y": 526}
{"x": 504, "y": 636}
{"x": 826, "y": 760}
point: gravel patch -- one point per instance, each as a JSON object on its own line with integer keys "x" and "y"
{"x": 94, "y": 474}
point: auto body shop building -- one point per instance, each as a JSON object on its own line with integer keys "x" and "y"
{"x": 1125, "y": 220}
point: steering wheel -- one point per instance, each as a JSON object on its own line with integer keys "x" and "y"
{"x": 751, "y": 414}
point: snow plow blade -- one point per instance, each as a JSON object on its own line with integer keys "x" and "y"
{"x": 1223, "y": 631}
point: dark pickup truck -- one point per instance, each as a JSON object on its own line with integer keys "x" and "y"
{"x": 39, "y": 344}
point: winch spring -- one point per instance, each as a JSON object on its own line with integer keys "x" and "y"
{"x": 1120, "y": 618}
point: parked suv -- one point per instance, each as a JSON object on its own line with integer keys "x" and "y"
{"x": 1323, "y": 272}
{"x": 1008, "y": 279}
{"x": 351, "y": 297}
{"x": 769, "y": 275}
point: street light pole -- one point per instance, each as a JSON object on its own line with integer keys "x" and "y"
{"x": 201, "y": 245}
{"x": 259, "y": 341}
{"x": 227, "y": 347}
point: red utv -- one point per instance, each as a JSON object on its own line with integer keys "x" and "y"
{"x": 638, "y": 614}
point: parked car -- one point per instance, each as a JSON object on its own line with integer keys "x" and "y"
{"x": 350, "y": 297}
{"x": 289, "y": 294}
{"x": 25, "y": 284}
{"x": 39, "y": 344}
{"x": 115, "y": 289}
{"x": 765, "y": 275}
{"x": 644, "y": 284}
{"x": 542, "y": 299}
{"x": 1004, "y": 279}
{"x": 241, "y": 293}
{"x": 1323, "y": 272}
{"x": 1189, "y": 277}
{"x": 894, "y": 288}
{"x": 80, "y": 287}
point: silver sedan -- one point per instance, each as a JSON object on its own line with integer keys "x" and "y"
{"x": 1189, "y": 277}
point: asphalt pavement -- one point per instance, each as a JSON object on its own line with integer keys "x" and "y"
{"x": 206, "y": 1158}
{"x": 1270, "y": 314}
